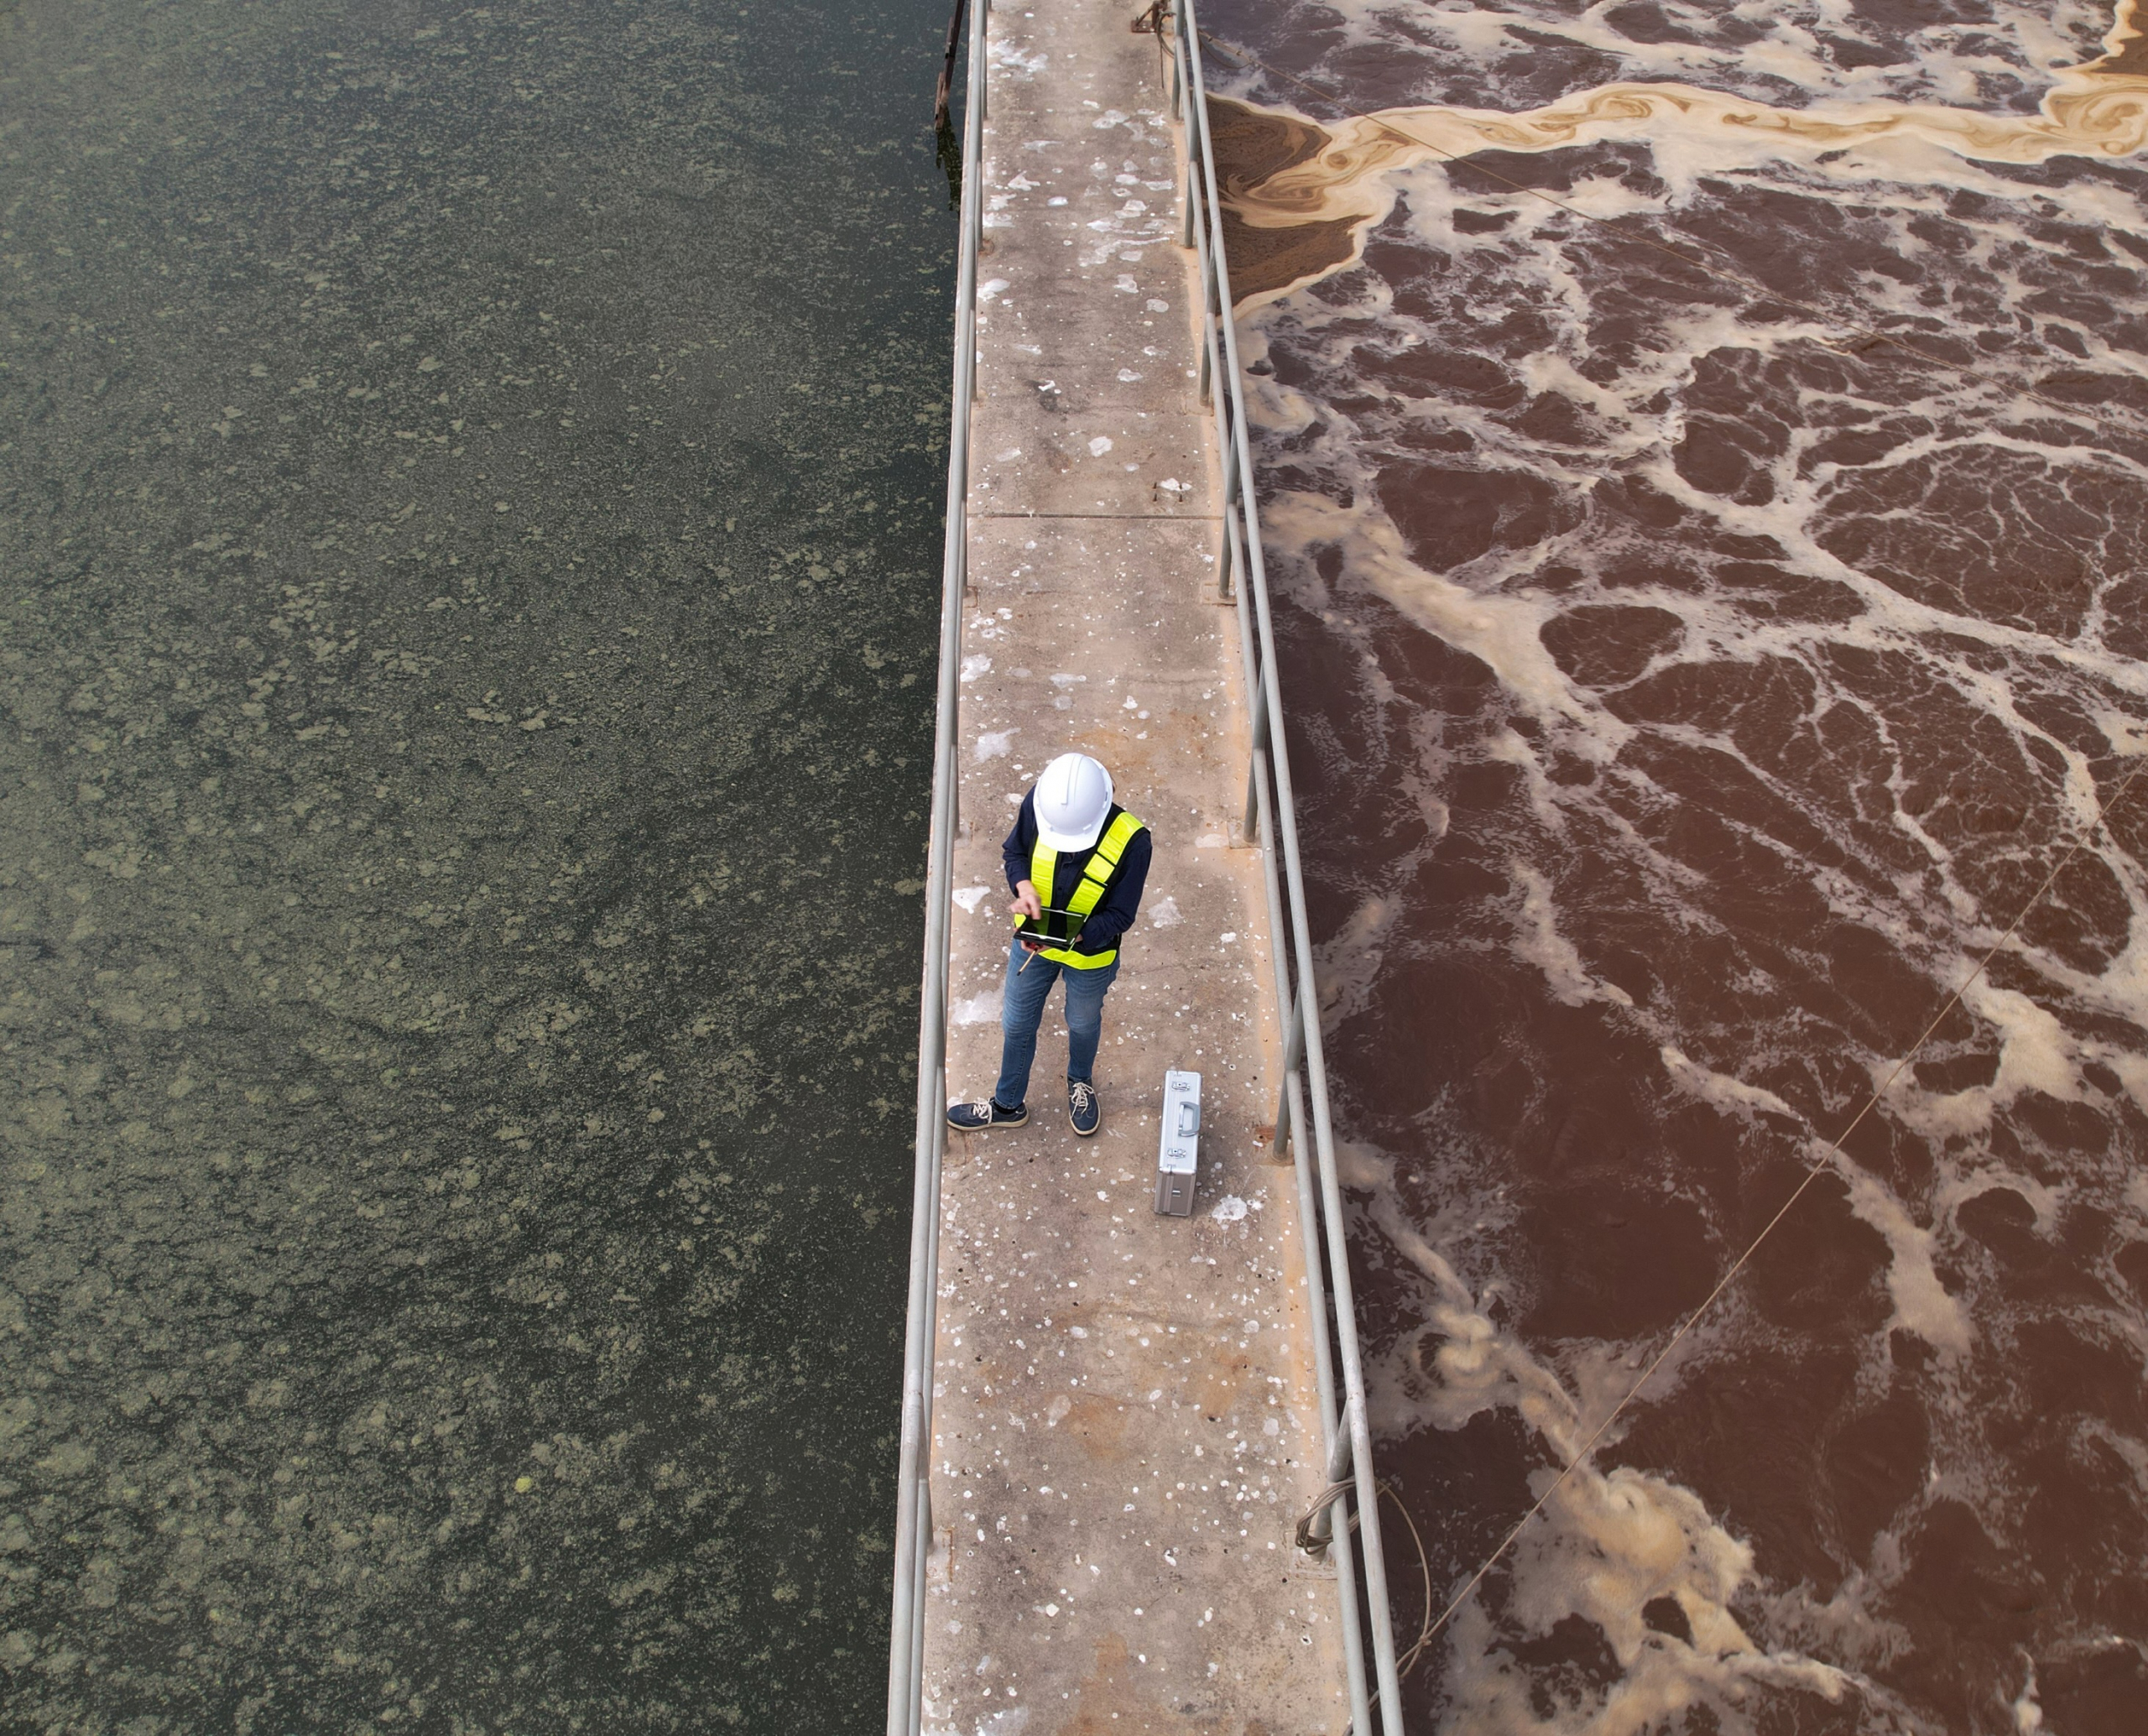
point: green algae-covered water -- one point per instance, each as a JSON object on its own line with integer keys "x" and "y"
{"x": 469, "y": 498}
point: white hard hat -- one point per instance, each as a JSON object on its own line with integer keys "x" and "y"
{"x": 1073, "y": 796}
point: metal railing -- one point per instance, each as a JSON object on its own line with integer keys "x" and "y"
{"x": 1302, "y": 1121}
{"x": 1271, "y": 817}
{"x": 914, "y": 1463}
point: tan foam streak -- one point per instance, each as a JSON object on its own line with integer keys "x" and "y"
{"x": 2097, "y": 110}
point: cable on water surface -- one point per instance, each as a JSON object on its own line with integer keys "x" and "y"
{"x": 1825, "y": 1161}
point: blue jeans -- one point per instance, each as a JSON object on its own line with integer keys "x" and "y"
{"x": 1027, "y": 991}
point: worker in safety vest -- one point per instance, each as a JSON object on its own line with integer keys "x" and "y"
{"x": 1076, "y": 863}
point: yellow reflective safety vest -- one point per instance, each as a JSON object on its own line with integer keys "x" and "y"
{"x": 1095, "y": 877}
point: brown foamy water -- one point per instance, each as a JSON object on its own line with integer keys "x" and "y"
{"x": 1713, "y": 602}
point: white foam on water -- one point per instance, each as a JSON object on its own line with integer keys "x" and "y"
{"x": 1348, "y": 964}
{"x": 1538, "y": 941}
{"x": 1361, "y": 1166}
{"x": 1720, "y": 1089}
{"x": 1475, "y": 1366}
{"x": 2028, "y": 1711}
{"x": 1922, "y": 870}
{"x": 1607, "y": 1543}
{"x": 1698, "y": 131}
{"x": 1922, "y": 1303}
{"x": 2035, "y": 1054}
{"x": 1503, "y": 631}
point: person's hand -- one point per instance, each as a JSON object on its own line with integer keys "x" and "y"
{"x": 1028, "y": 904}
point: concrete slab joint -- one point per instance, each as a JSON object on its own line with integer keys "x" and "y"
{"x": 1125, "y": 1422}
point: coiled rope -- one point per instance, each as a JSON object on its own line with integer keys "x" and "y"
{"x": 1313, "y": 1545}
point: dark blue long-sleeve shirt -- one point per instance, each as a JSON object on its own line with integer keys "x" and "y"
{"x": 1122, "y": 898}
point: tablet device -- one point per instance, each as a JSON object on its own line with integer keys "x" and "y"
{"x": 1054, "y": 928}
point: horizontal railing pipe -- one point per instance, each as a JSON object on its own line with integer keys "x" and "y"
{"x": 1264, "y": 696}
{"x": 914, "y": 1453}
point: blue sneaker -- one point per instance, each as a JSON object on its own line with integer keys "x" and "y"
{"x": 1082, "y": 1108}
{"x": 976, "y": 1117}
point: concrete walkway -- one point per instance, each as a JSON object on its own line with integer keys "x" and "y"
{"x": 1124, "y": 1412}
